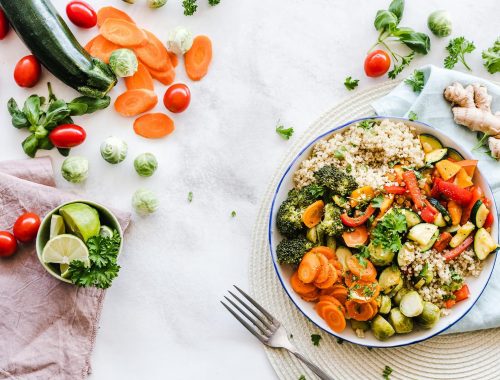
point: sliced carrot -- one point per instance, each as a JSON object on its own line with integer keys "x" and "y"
{"x": 300, "y": 287}
{"x": 173, "y": 59}
{"x": 165, "y": 77}
{"x": 154, "y": 125}
{"x": 334, "y": 318}
{"x": 361, "y": 268}
{"x": 313, "y": 213}
{"x": 358, "y": 236}
{"x": 123, "y": 33}
{"x": 336, "y": 264}
{"x": 332, "y": 278}
{"x": 327, "y": 251}
{"x": 324, "y": 269}
{"x": 111, "y": 12}
{"x": 142, "y": 79}
{"x": 102, "y": 48}
{"x": 374, "y": 305}
{"x": 309, "y": 267}
{"x": 359, "y": 311}
{"x": 361, "y": 194}
{"x": 153, "y": 54}
{"x": 333, "y": 301}
{"x": 364, "y": 291}
{"x": 320, "y": 306}
{"x": 311, "y": 297}
{"x": 339, "y": 292}
{"x": 89, "y": 44}
{"x": 350, "y": 278}
{"x": 198, "y": 58}
{"x": 135, "y": 102}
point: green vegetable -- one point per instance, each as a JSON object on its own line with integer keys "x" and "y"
{"x": 491, "y": 57}
{"x": 379, "y": 255}
{"x": 103, "y": 269}
{"x": 156, "y": 3}
{"x": 457, "y": 48}
{"x": 81, "y": 220}
{"x": 145, "y": 201}
{"x": 360, "y": 325}
{"x": 75, "y": 169}
{"x": 416, "y": 81}
{"x": 439, "y": 22}
{"x": 48, "y": 37}
{"x": 387, "y": 372}
{"x": 190, "y": 196}
{"x": 190, "y": 7}
{"x": 114, "y": 150}
{"x": 400, "y": 66}
{"x": 213, "y": 2}
{"x": 401, "y": 323}
{"x": 145, "y": 164}
{"x": 285, "y": 133}
{"x": 233, "y": 214}
{"x": 331, "y": 225}
{"x": 384, "y": 304}
{"x": 129, "y": 1}
{"x": 291, "y": 251}
{"x": 412, "y": 116}
{"x": 411, "y": 304}
{"x": 180, "y": 40}
{"x": 350, "y": 83}
{"x": 381, "y": 328}
{"x": 336, "y": 180}
{"x": 387, "y": 233}
{"x": 315, "y": 338}
{"x": 123, "y": 62}
{"x": 406, "y": 255}
{"x": 430, "y": 316}
{"x": 390, "y": 278}
{"x": 302, "y": 377}
{"x": 399, "y": 295}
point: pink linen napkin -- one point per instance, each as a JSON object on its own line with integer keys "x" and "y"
{"x": 47, "y": 327}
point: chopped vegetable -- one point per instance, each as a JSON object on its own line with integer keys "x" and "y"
{"x": 154, "y": 125}
{"x": 111, "y": 12}
{"x": 156, "y": 3}
{"x": 145, "y": 164}
{"x": 358, "y": 220}
{"x": 457, "y": 251}
{"x": 457, "y": 48}
{"x": 387, "y": 232}
{"x": 142, "y": 79}
{"x": 416, "y": 81}
{"x": 123, "y": 33}
{"x": 145, "y": 201}
{"x": 412, "y": 186}
{"x": 135, "y": 102}
{"x": 190, "y": 7}
{"x": 114, "y": 150}
{"x": 81, "y": 14}
{"x": 180, "y": 40}
{"x": 412, "y": 116}
{"x": 451, "y": 191}
{"x": 291, "y": 251}
{"x": 387, "y": 372}
{"x": 198, "y": 58}
{"x": 439, "y": 22}
{"x": 350, "y": 83}
{"x": 153, "y": 53}
{"x": 491, "y": 57}
{"x": 123, "y": 62}
{"x": 75, "y": 169}
{"x": 190, "y": 196}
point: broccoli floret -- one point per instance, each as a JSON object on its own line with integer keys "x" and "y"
{"x": 291, "y": 251}
{"x": 336, "y": 180}
{"x": 332, "y": 224}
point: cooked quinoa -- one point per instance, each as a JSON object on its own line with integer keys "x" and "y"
{"x": 368, "y": 154}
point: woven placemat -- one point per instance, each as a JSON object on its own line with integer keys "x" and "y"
{"x": 456, "y": 356}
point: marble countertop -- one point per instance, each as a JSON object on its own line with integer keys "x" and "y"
{"x": 279, "y": 59}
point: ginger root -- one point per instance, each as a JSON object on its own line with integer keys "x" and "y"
{"x": 471, "y": 107}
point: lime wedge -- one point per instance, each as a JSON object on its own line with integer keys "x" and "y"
{"x": 81, "y": 219}
{"x": 106, "y": 232}
{"x": 64, "y": 270}
{"x": 65, "y": 248}
{"x": 57, "y": 226}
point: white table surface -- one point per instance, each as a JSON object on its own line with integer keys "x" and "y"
{"x": 279, "y": 59}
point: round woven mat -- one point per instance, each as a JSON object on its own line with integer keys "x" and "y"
{"x": 456, "y": 356}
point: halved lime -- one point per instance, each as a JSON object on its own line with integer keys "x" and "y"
{"x": 64, "y": 270}
{"x": 57, "y": 226}
{"x": 81, "y": 219}
{"x": 65, "y": 248}
{"x": 106, "y": 232}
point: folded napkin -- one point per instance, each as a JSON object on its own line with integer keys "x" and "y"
{"x": 47, "y": 327}
{"x": 431, "y": 108}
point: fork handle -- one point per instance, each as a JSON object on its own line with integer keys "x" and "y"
{"x": 313, "y": 367}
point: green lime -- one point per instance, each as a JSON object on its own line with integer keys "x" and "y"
{"x": 81, "y": 219}
{"x": 57, "y": 226}
{"x": 64, "y": 270}
{"x": 65, "y": 248}
{"x": 106, "y": 232}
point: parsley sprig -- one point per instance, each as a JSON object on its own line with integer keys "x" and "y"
{"x": 387, "y": 372}
{"x": 491, "y": 57}
{"x": 387, "y": 233}
{"x": 416, "y": 81}
{"x": 457, "y": 48}
{"x": 285, "y": 133}
{"x": 350, "y": 83}
{"x": 190, "y": 7}
{"x": 315, "y": 338}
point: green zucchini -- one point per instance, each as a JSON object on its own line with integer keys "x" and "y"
{"x": 412, "y": 218}
{"x": 48, "y": 37}
{"x": 429, "y": 143}
{"x": 431, "y": 242}
{"x": 441, "y": 209}
{"x": 462, "y": 234}
{"x": 483, "y": 244}
{"x": 439, "y": 220}
{"x": 435, "y": 155}
{"x": 455, "y": 154}
{"x": 479, "y": 213}
{"x": 423, "y": 233}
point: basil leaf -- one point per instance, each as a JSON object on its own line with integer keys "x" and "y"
{"x": 56, "y": 112}
{"x": 397, "y": 7}
{"x": 64, "y": 151}
{"x": 44, "y": 143}
{"x": 93, "y": 104}
{"x": 385, "y": 20}
{"x": 30, "y": 145}
{"x": 31, "y": 109}
{"x": 18, "y": 118}
{"x": 77, "y": 109}
{"x": 41, "y": 132}
{"x": 416, "y": 41}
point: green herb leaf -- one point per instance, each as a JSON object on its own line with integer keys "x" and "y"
{"x": 190, "y": 196}
{"x": 30, "y": 145}
{"x": 190, "y": 7}
{"x": 302, "y": 377}
{"x": 387, "y": 372}
{"x": 92, "y": 105}
{"x": 19, "y": 120}
{"x": 386, "y": 233}
{"x": 416, "y": 41}
{"x": 77, "y": 109}
{"x": 412, "y": 116}
{"x": 457, "y": 48}
{"x": 397, "y": 7}
{"x": 315, "y": 191}
{"x": 233, "y": 214}
{"x": 64, "y": 151}
{"x": 57, "y": 111}
{"x": 339, "y": 154}
{"x": 367, "y": 124}
{"x": 377, "y": 201}
{"x": 315, "y": 338}
{"x": 350, "y": 83}
{"x": 285, "y": 133}
{"x": 213, "y": 2}
{"x": 31, "y": 109}
{"x": 399, "y": 67}
{"x": 45, "y": 143}
{"x": 491, "y": 57}
{"x": 416, "y": 81}
{"x": 385, "y": 20}
{"x": 424, "y": 270}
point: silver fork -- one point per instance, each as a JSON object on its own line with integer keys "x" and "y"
{"x": 267, "y": 328}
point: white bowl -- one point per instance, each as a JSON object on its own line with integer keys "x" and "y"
{"x": 284, "y": 272}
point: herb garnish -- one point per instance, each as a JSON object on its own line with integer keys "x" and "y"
{"x": 412, "y": 116}
{"x": 457, "y": 48}
{"x": 482, "y": 144}
{"x": 367, "y": 124}
{"x": 491, "y": 57}
{"x": 190, "y": 7}
{"x": 213, "y": 2}
{"x": 424, "y": 270}
{"x": 302, "y": 377}
{"x": 387, "y": 372}
{"x": 386, "y": 233}
{"x": 416, "y": 81}
{"x": 350, "y": 83}
{"x": 233, "y": 214}
{"x": 377, "y": 201}
{"x": 315, "y": 338}
{"x": 285, "y": 133}
{"x": 190, "y": 196}
{"x": 315, "y": 190}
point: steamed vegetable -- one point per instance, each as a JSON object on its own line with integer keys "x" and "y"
{"x": 430, "y": 315}
{"x": 75, "y": 169}
{"x": 439, "y": 22}
{"x": 145, "y": 164}
{"x": 401, "y": 323}
{"x": 123, "y": 62}
{"x": 180, "y": 40}
{"x": 114, "y": 150}
{"x": 145, "y": 201}
{"x": 381, "y": 328}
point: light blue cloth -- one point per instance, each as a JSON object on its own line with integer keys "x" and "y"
{"x": 431, "y": 108}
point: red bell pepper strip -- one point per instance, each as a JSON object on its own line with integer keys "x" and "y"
{"x": 455, "y": 252}
{"x": 449, "y": 303}
{"x": 477, "y": 194}
{"x": 442, "y": 242}
{"x": 462, "y": 294}
{"x": 358, "y": 220}
{"x": 399, "y": 190}
{"x": 451, "y": 191}
{"x": 412, "y": 185}
{"x": 428, "y": 214}
{"x": 490, "y": 218}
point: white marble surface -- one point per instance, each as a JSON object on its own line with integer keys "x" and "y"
{"x": 275, "y": 59}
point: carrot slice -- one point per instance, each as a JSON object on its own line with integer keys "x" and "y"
{"x": 142, "y": 79}
{"x": 300, "y": 287}
{"x": 135, "y": 102}
{"x": 102, "y": 48}
{"x": 374, "y": 305}
{"x": 111, "y": 12}
{"x": 358, "y": 236}
{"x": 334, "y": 318}
{"x": 123, "y": 33}
{"x": 340, "y": 292}
{"x": 332, "y": 278}
{"x": 363, "y": 269}
{"x": 313, "y": 214}
{"x": 198, "y": 58}
{"x": 364, "y": 291}
{"x": 154, "y": 125}
{"x": 309, "y": 267}
{"x": 350, "y": 278}
{"x": 173, "y": 59}
{"x": 89, "y": 44}
{"x": 333, "y": 301}
{"x": 153, "y": 54}
{"x": 324, "y": 269}
{"x": 325, "y": 301}
{"x": 311, "y": 297}
{"x": 359, "y": 311}
{"x": 165, "y": 77}
{"x": 327, "y": 251}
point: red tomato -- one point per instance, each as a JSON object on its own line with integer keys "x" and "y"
{"x": 67, "y": 136}
{"x": 26, "y": 227}
{"x": 177, "y": 98}
{"x": 27, "y": 72}
{"x": 377, "y": 63}
{"x": 81, "y": 14}
{"x": 4, "y": 25}
{"x": 8, "y": 244}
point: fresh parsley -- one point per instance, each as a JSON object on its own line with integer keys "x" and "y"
{"x": 213, "y": 2}
{"x": 387, "y": 372}
{"x": 339, "y": 154}
{"x": 491, "y": 57}
{"x": 412, "y": 116}
{"x": 190, "y": 7}
{"x": 377, "y": 201}
{"x": 190, "y": 196}
{"x": 103, "y": 268}
{"x": 457, "y": 48}
{"x": 350, "y": 83}
{"x": 366, "y": 124}
{"x": 233, "y": 214}
{"x": 285, "y": 133}
{"x": 387, "y": 232}
{"x": 302, "y": 377}
{"x": 315, "y": 338}
{"x": 482, "y": 144}
{"x": 315, "y": 191}
{"x": 400, "y": 66}
{"x": 416, "y": 81}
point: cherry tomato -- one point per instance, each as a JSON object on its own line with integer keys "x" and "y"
{"x": 4, "y": 25}
{"x": 81, "y": 14}
{"x": 26, "y": 227}
{"x": 27, "y": 72}
{"x": 377, "y": 63}
{"x": 177, "y": 98}
{"x": 8, "y": 244}
{"x": 67, "y": 136}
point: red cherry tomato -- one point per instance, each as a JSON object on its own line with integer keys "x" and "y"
{"x": 377, "y": 63}
{"x": 26, "y": 227}
{"x": 177, "y": 98}
{"x": 27, "y": 72}
{"x": 8, "y": 244}
{"x": 4, "y": 25}
{"x": 67, "y": 136}
{"x": 81, "y": 14}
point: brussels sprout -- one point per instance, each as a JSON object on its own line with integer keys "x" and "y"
{"x": 114, "y": 150}
{"x": 343, "y": 254}
{"x": 439, "y": 22}
{"x": 145, "y": 164}
{"x": 381, "y": 328}
{"x": 406, "y": 255}
{"x": 145, "y": 201}
{"x": 123, "y": 62}
{"x": 331, "y": 242}
{"x": 106, "y": 231}
{"x": 75, "y": 169}
{"x": 180, "y": 40}
{"x": 430, "y": 316}
{"x": 401, "y": 323}
{"x": 380, "y": 256}
{"x": 399, "y": 295}
{"x": 156, "y": 3}
{"x": 384, "y": 304}
{"x": 389, "y": 279}
{"x": 312, "y": 235}
{"x": 360, "y": 325}
{"x": 411, "y": 304}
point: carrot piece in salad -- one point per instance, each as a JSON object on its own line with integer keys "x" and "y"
{"x": 313, "y": 214}
{"x": 327, "y": 251}
{"x": 412, "y": 185}
{"x": 362, "y": 268}
{"x": 324, "y": 270}
{"x": 359, "y": 311}
{"x": 358, "y": 236}
{"x": 309, "y": 267}
{"x": 334, "y": 318}
{"x": 300, "y": 287}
